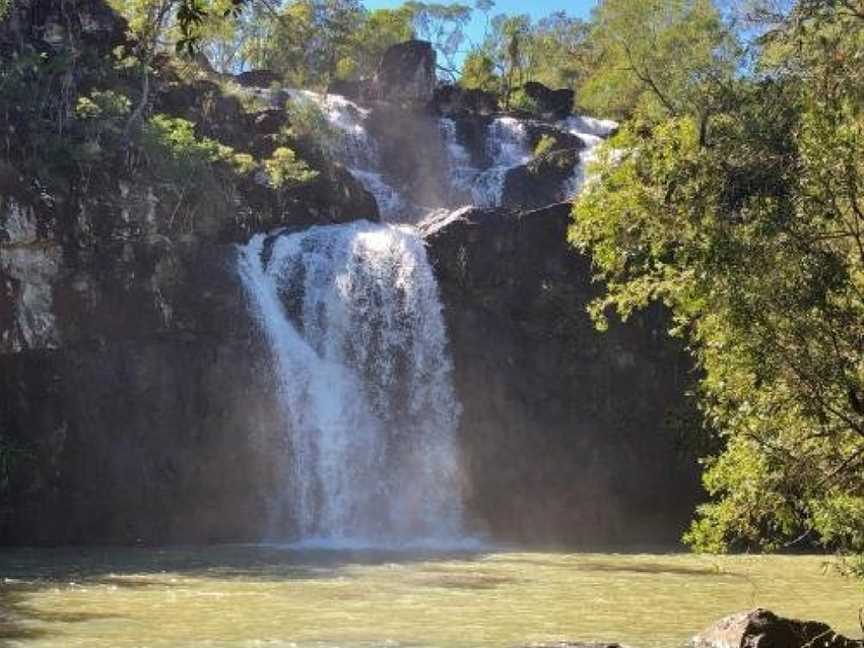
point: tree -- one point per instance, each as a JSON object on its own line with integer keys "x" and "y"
{"x": 444, "y": 26}
{"x": 748, "y": 226}
{"x": 652, "y": 56}
{"x": 478, "y": 73}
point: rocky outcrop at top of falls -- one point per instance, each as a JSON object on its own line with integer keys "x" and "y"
{"x": 140, "y": 399}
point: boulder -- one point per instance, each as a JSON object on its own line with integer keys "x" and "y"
{"x": 562, "y": 139}
{"x": 454, "y": 101}
{"x": 542, "y": 181}
{"x": 406, "y": 74}
{"x": 551, "y": 103}
{"x": 257, "y": 78}
{"x": 359, "y": 90}
{"x": 761, "y": 628}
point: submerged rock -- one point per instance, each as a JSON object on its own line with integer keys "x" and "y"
{"x": 762, "y": 628}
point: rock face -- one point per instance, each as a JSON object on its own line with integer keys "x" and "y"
{"x": 555, "y": 104}
{"x": 257, "y": 78}
{"x": 540, "y": 182}
{"x": 566, "y": 431}
{"x": 454, "y": 101}
{"x": 135, "y": 400}
{"x": 52, "y": 25}
{"x": 763, "y": 629}
{"x": 407, "y": 74}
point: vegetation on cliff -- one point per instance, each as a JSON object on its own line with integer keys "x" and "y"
{"x": 736, "y": 200}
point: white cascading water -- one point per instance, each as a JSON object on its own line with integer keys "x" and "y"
{"x": 358, "y": 150}
{"x": 507, "y": 148}
{"x": 593, "y": 132}
{"x": 355, "y": 327}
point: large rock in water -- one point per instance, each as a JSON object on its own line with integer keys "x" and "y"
{"x": 763, "y": 629}
{"x": 406, "y": 74}
{"x": 567, "y": 432}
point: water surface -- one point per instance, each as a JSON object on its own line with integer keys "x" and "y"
{"x": 244, "y": 597}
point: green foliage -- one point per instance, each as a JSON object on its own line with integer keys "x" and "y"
{"x": 546, "y": 144}
{"x": 519, "y": 100}
{"x": 285, "y": 170}
{"x": 5, "y": 6}
{"x": 747, "y": 224}
{"x": 176, "y": 152}
{"x": 310, "y": 124}
{"x": 650, "y": 56}
{"x": 478, "y": 73}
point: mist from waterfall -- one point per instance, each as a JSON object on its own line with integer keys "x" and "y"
{"x": 359, "y": 351}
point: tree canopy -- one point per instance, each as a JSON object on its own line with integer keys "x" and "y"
{"x": 746, "y": 221}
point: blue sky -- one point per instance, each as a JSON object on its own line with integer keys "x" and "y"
{"x": 536, "y": 8}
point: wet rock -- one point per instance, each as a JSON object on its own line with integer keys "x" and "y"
{"x": 565, "y": 431}
{"x": 561, "y": 139}
{"x": 257, "y": 78}
{"x": 407, "y": 73}
{"x": 541, "y": 182}
{"x": 762, "y": 628}
{"x": 452, "y": 100}
{"x": 269, "y": 122}
{"x": 62, "y": 25}
{"x": 361, "y": 90}
{"x": 555, "y": 104}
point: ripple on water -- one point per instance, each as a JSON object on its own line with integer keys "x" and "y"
{"x": 267, "y": 595}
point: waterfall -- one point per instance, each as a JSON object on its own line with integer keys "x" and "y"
{"x": 357, "y": 149}
{"x": 593, "y": 132}
{"x": 359, "y": 349}
{"x": 506, "y": 147}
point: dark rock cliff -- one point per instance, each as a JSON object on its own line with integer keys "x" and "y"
{"x": 135, "y": 402}
{"x": 568, "y": 433}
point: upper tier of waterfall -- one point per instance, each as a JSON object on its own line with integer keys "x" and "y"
{"x": 470, "y": 180}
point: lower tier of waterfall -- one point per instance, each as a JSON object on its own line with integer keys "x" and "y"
{"x": 352, "y": 317}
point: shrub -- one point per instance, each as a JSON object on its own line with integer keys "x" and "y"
{"x": 311, "y": 125}
{"x": 546, "y": 144}
{"x": 285, "y": 170}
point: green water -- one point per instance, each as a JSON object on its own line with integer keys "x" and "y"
{"x": 268, "y": 597}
